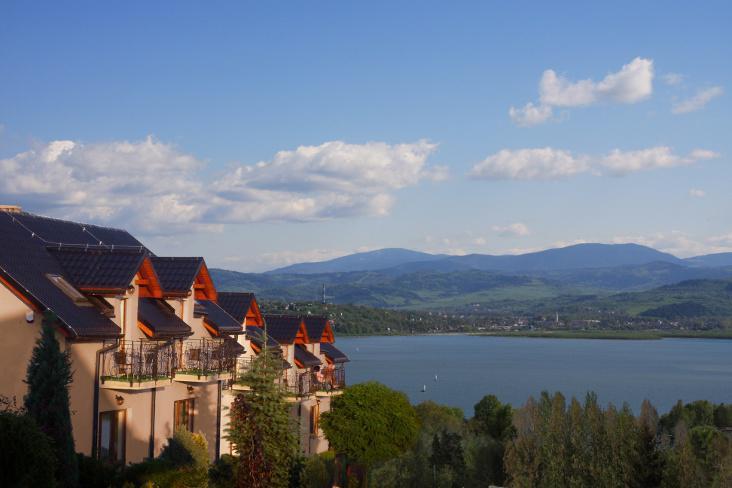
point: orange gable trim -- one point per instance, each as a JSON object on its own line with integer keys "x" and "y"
{"x": 145, "y": 329}
{"x": 203, "y": 287}
{"x": 302, "y": 334}
{"x": 328, "y": 335}
{"x": 254, "y": 315}
{"x": 213, "y": 331}
{"x": 147, "y": 280}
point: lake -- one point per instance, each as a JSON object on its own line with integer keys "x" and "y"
{"x": 513, "y": 368}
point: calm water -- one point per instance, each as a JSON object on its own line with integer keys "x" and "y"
{"x": 468, "y": 367}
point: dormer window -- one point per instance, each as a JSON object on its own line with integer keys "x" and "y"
{"x": 68, "y": 289}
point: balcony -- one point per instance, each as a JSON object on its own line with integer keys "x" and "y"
{"x": 329, "y": 382}
{"x": 294, "y": 386}
{"x": 206, "y": 360}
{"x": 137, "y": 365}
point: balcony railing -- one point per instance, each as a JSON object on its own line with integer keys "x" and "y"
{"x": 294, "y": 385}
{"x": 329, "y": 380}
{"x": 206, "y": 359}
{"x": 137, "y": 364}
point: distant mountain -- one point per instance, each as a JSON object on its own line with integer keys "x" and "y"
{"x": 401, "y": 261}
{"x": 579, "y": 256}
{"x": 712, "y": 260}
{"x": 363, "y": 261}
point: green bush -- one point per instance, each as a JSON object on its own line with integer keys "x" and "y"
{"x": 94, "y": 473}
{"x": 26, "y": 457}
{"x": 318, "y": 471}
{"x": 222, "y": 473}
{"x": 183, "y": 463}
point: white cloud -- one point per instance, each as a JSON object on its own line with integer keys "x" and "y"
{"x": 631, "y": 84}
{"x": 679, "y": 243}
{"x": 529, "y": 164}
{"x": 153, "y": 187}
{"x": 623, "y": 162}
{"x": 698, "y": 101}
{"x": 549, "y": 163}
{"x": 530, "y": 114}
{"x": 673, "y": 79}
{"x": 517, "y": 229}
{"x": 697, "y": 193}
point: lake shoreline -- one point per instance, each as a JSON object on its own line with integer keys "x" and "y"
{"x": 637, "y": 335}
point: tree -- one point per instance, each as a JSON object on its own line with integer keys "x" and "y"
{"x": 447, "y": 454}
{"x": 494, "y": 418}
{"x": 47, "y": 402}
{"x": 370, "y": 423}
{"x": 261, "y": 430}
{"x": 26, "y": 457}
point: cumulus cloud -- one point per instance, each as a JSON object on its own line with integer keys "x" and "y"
{"x": 697, "y": 193}
{"x": 529, "y": 164}
{"x": 549, "y": 163}
{"x": 530, "y": 114}
{"x": 631, "y": 84}
{"x": 154, "y": 187}
{"x": 698, "y": 101}
{"x": 619, "y": 162}
{"x": 517, "y": 229}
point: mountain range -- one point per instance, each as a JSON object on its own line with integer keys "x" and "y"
{"x": 405, "y": 279}
{"x": 579, "y": 256}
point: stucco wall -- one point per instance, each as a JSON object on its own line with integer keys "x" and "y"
{"x": 19, "y": 337}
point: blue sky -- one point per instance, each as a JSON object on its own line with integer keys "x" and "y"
{"x": 259, "y": 134}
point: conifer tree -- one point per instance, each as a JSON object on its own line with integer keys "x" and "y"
{"x": 47, "y": 401}
{"x": 261, "y": 429}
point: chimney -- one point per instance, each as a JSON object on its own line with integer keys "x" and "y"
{"x": 10, "y": 208}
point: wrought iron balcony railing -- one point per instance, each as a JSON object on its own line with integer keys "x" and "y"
{"x": 203, "y": 358}
{"x": 138, "y": 363}
{"x": 329, "y": 379}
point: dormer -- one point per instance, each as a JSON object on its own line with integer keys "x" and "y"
{"x": 186, "y": 280}
{"x": 112, "y": 280}
{"x": 242, "y": 306}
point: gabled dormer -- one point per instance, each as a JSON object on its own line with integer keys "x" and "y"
{"x": 184, "y": 281}
{"x": 242, "y": 306}
{"x": 115, "y": 281}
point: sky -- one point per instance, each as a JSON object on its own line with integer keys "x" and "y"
{"x": 260, "y": 134}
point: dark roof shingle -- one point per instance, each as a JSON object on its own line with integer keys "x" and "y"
{"x": 305, "y": 357}
{"x": 333, "y": 353}
{"x": 219, "y": 319}
{"x": 161, "y": 319}
{"x": 98, "y": 269}
{"x": 283, "y": 328}
{"x": 177, "y": 274}
{"x": 25, "y": 262}
{"x": 315, "y": 325}
{"x": 236, "y": 303}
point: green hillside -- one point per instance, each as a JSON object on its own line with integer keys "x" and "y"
{"x": 693, "y": 298}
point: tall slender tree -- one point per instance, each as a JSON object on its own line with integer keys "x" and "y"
{"x": 47, "y": 401}
{"x": 261, "y": 429}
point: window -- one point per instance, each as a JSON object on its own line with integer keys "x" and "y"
{"x": 184, "y": 414}
{"x": 112, "y": 436}
{"x": 69, "y": 290}
{"x": 314, "y": 419}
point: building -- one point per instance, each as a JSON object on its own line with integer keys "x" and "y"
{"x": 154, "y": 346}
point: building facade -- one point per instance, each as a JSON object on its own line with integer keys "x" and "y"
{"x": 154, "y": 346}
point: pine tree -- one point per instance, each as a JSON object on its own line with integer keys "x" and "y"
{"x": 261, "y": 429}
{"x": 47, "y": 402}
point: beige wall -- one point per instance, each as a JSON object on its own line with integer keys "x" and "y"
{"x": 19, "y": 337}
